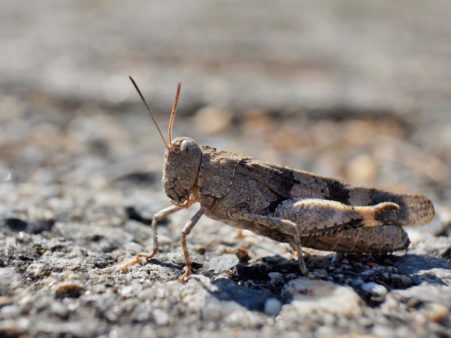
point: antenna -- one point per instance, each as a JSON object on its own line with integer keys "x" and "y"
{"x": 150, "y": 113}
{"x": 174, "y": 108}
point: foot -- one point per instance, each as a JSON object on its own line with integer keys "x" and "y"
{"x": 240, "y": 234}
{"x": 137, "y": 260}
{"x": 185, "y": 277}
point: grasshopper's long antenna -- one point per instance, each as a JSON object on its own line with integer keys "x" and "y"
{"x": 150, "y": 113}
{"x": 174, "y": 108}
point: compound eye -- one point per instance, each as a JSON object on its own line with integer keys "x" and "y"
{"x": 186, "y": 147}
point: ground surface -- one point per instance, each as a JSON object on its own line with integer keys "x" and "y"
{"x": 348, "y": 89}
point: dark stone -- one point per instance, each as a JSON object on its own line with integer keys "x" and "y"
{"x": 15, "y": 224}
{"x": 40, "y": 226}
{"x": 70, "y": 290}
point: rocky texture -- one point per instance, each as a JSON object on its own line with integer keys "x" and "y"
{"x": 347, "y": 89}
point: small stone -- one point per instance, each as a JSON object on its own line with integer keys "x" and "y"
{"x": 420, "y": 318}
{"x": 346, "y": 266}
{"x": 127, "y": 291}
{"x": 26, "y": 303}
{"x": 4, "y": 300}
{"x": 70, "y": 289}
{"x": 160, "y": 317}
{"x": 382, "y": 331}
{"x": 6, "y": 275}
{"x": 376, "y": 291}
{"x": 326, "y": 331}
{"x": 437, "y": 312}
{"x": 339, "y": 277}
{"x": 272, "y": 306}
{"x": 357, "y": 282}
{"x": 14, "y": 328}
{"x": 200, "y": 249}
{"x": 389, "y": 305}
{"x": 41, "y": 226}
{"x": 274, "y": 275}
{"x": 222, "y": 263}
{"x": 59, "y": 309}
{"x": 320, "y": 274}
{"x": 319, "y": 296}
{"x": 10, "y": 311}
{"x": 15, "y": 224}
{"x": 400, "y": 281}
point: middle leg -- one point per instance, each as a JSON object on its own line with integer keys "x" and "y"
{"x": 185, "y": 232}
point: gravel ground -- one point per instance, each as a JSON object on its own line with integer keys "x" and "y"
{"x": 345, "y": 89}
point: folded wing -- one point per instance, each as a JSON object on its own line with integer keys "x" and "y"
{"x": 292, "y": 183}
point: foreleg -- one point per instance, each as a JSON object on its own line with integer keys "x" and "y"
{"x": 159, "y": 216}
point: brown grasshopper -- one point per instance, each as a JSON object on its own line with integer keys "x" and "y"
{"x": 284, "y": 204}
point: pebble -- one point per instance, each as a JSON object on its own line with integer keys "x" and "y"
{"x": 437, "y": 312}
{"x": 376, "y": 291}
{"x": 4, "y": 300}
{"x": 6, "y": 275}
{"x": 222, "y": 263}
{"x": 69, "y": 289}
{"x": 310, "y": 296}
{"x": 59, "y": 309}
{"x": 127, "y": 291}
{"x": 382, "y": 331}
{"x": 14, "y": 327}
{"x": 272, "y": 306}
{"x": 160, "y": 317}
{"x": 400, "y": 281}
{"x": 15, "y": 224}
{"x": 275, "y": 275}
{"x": 10, "y": 311}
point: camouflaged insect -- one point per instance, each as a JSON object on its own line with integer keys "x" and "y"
{"x": 284, "y": 204}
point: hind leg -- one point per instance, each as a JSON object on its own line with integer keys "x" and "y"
{"x": 317, "y": 216}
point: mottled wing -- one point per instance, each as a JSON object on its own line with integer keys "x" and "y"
{"x": 292, "y": 183}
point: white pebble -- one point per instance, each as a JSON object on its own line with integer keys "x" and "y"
{"x": 160, "y": 317}
{"x": 377, "y": 291}
{"x": 127, "y": 291}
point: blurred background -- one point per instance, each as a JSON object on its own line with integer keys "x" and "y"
{"x": 359, "y": 90}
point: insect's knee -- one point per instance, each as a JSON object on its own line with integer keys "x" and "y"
{"x": 286, "y": 208}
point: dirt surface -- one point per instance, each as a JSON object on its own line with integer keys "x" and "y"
{"x": 349, "y": 89}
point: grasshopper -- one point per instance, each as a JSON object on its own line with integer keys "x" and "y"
{"x": 284, "y": 204}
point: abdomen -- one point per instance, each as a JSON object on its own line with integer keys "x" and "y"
{"x": 373, "y": 240}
